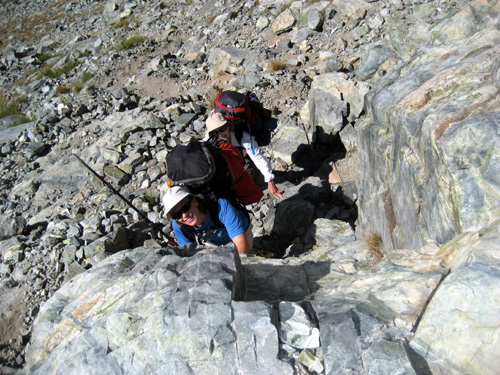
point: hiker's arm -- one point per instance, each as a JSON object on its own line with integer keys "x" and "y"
{"x": 257, "y": 157}
{"x": 241, "y": 243}
{"x": 274, "y": 190}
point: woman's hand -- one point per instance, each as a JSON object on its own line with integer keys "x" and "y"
{"x": 274, "y": 190}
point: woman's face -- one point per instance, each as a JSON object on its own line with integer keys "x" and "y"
{"x": 224, "y": 132}
{"x": 187, "y": 212}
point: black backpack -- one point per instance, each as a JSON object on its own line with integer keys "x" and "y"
{"x": 199, "y": 167}
{"x": 245, "y": 111}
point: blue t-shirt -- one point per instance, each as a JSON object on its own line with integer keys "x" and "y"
{"x": 235, "y": 222}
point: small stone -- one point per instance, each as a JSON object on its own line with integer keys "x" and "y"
{"x": 309, "y": 360}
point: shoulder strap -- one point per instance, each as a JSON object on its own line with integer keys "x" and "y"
{"x": 213, "y": 208}
{"x": 238, "y": 133}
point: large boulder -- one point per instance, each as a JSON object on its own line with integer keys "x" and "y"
{"x": 290, "y": 139}
{"x": 460, "y": 324}
{"x": 151, "y": 311}
{"x": 332, "y": 99}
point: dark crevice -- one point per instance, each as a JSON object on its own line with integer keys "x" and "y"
{"x": 422, "y": 312}
{"x": 418, "y": 363}
{"x": 357, "y": 322}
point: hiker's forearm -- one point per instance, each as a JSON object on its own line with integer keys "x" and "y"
{"x": 241, "y": 243}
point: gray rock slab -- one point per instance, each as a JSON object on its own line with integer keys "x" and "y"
{"x": 227, "y": 59}
{"x": 11, "y": 249}
{"x": 387, "y": 292}
{"x": 116, "y": 175}
{"x": 66, "y": 175}
{"x": 257, "y": 339}
{"x": 13, "y": 132}
{"x": 339, "y": 339}
{"x": 300, "y": 35}
{"x": 355, "y": 342}
{"x": 355, "y": 9}
{"x": 325, "y": 232}
{"x": 339, "y": 86}
{"x": 186, "y": 118}
{"x": 460, "y": 325}
{"x": 373, "y": 58}
{"x": 284, "y": 22}
{"x": 471, "y": 151}
{"x": 327, "y": 112}
{"x": 387, "y": 357}
{"x": 290, "y": 136}
{"x": 313, "y": 189}
{"x": 147, "y": 310}
{"x": 296, "y": 327}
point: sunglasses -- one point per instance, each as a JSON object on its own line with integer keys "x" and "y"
{"x": 185, "y": 208}
{"x": 222, "y": 129}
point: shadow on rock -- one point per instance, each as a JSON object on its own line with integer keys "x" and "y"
{"x": 279, "y": 282}
{"x": 289, "y": 223}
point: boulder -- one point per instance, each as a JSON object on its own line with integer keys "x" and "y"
{"x": 12, "y": 250}
{"x": 355, "y": 9}
{"x": 374, "y": 57}
{"x": 288, "y": 140}
{"x": 325, "y": 232}
{"x": 459, "y": 326}
{"x": 312, "y": 19}
{"x": 227, "y": 59}
{"x": 339, "y": 86}
{"x": 284, "y": 22}
{"x": 152, "y": 311}
{"x": 296, "y": 327}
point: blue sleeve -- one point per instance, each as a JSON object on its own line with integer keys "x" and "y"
{"x": 234, "y": 221}
{"x": 181, "y": 237}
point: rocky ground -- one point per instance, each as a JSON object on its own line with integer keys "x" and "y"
{"x": 120, "y": 83}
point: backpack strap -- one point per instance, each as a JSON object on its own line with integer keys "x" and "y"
{"x": 238, "y": 133}
{"x": 189, "y": 231}
{"x": 213, "y": 209}
{"x": 251, "y": 141}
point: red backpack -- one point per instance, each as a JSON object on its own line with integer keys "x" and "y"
{"x": 246, "y": 190}
{"x": 245, "y": 111}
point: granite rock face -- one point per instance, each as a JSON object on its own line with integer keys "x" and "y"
{"x": 151, "y": 311}
{"x": 465, "y": 309}
{"x": 429, "y": 152}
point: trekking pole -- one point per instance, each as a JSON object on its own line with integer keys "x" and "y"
{"x": 155, "y": 226}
